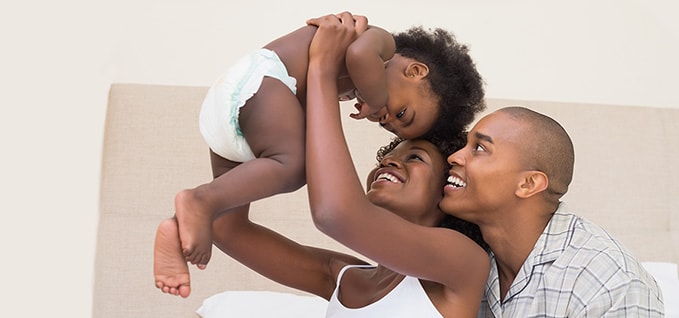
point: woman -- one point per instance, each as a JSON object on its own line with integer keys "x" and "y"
{"x": 406, "y": 186}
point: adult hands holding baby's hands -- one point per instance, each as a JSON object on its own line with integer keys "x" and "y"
{"x": 335, "y": 33}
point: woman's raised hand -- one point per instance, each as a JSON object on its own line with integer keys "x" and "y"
{"x": 335, "y": 33}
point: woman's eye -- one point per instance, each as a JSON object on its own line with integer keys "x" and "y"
{"x": 400, "y": 114}
{"x": 415, "y": 157}
{"x": 479, "y": 148}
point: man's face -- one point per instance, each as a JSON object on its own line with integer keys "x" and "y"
{"x": 487, "y": 171}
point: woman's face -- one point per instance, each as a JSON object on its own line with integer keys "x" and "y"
{"x": 409, "y": 182}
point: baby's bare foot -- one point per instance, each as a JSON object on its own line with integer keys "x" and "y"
{"x": 195, "y": 229}
{"x": 169, "y": 266}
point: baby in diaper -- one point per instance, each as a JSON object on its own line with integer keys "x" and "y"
{"x": 414, "y": 83}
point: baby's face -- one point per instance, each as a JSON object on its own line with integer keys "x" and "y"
{"x": 412, "y": 107}
{"x": 408, "y": 115}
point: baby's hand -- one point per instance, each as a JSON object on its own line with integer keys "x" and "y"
{"x": 335, "y": 33}
{"x": 365, "y": 110}
{"x": 346, "y": 96}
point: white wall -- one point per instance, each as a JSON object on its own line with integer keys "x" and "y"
{"x": 58, "y": 59}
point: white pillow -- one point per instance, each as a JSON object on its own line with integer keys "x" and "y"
{"x": 668, "y": 280}
{"x": 240, "y": 304}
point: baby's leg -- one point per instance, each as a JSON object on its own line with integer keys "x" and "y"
{"x": 275, "y": 129}
{"x": 272, "y": 122}
{"x": 195, "y": 210}
{"x": 169, "y": 267}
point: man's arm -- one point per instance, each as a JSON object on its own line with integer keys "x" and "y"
{"x": 633, "y": 299}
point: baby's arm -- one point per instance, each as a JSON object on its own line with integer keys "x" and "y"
{"x": 365, "y": 60}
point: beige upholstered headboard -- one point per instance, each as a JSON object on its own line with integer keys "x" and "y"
{"x": 626, "y": 179}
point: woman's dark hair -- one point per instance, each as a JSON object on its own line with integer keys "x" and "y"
{"x": 446, "y": 146}
{"x": 452, "y": 76}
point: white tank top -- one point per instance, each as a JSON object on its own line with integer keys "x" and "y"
{"x": 407, "y": 299}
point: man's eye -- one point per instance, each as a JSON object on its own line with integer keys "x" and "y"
{"x": 400, "y": 114}
{"x": 479, "y": 148}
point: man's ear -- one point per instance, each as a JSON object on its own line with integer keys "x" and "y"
{"x": 532, "y": 182}
{"x": 416, "y": 69}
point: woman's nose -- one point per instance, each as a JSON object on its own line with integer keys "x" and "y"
{"x": 391, "y": 162}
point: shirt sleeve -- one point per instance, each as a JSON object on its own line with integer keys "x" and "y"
{"x": 635, "y": 298}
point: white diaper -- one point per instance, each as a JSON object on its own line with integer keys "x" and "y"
{"x": 219, "y": 114}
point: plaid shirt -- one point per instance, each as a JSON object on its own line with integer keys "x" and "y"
{"x": 576, "y": 269}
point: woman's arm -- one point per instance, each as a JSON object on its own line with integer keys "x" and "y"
{"x": 278, "y": 258}
{"x": 338, "y": 204}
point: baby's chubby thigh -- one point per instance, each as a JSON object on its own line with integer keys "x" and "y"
{"x": 273, "y": 123}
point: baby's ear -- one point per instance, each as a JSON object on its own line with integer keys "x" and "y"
{"x": 417, "y": 69}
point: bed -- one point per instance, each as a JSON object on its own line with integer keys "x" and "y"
{"x": 626, "y": 179}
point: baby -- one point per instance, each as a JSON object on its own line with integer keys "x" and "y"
{"x": 415, "y": 83}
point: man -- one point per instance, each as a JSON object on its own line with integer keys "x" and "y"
{"x": 546, "y": 262}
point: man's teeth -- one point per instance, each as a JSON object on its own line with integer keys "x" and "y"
{"x": 456, "y": 182}
{"x": 388, "y": 176}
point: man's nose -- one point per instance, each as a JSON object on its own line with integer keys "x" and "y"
{"x": 456, "y": 158}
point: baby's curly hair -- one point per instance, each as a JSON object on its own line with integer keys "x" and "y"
{"x": 446, "y": 146}
{"x": 453, "y": 77}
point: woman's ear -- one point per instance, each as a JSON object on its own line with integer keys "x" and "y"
{"x": 532, "y": 182}
{"x": 416, "y": 69}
